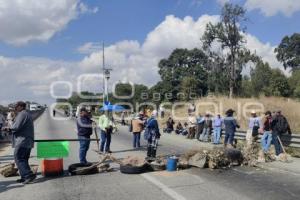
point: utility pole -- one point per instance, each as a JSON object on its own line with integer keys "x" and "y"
{"x": 106, "y": 77}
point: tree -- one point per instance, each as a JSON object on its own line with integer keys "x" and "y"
{"x": 278, "y": 84}
{"x": 189, "y": 88}
{"x": 288, "y": 52}
{"x": 180, "y": 64}
{"x": 246, "y": 89}
{"x": 260, "y": 77}
{"x": 228, "y": 33}
{"x": 294, "y": 83}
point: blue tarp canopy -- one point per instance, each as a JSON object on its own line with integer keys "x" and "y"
{"x": 113, "y": 108}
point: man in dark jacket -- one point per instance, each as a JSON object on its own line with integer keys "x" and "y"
{"x": 279, "y": 127}
{"x": 23, "y": 141}
{"x": 230, "y": 128}
{"x": 84, "y": 131}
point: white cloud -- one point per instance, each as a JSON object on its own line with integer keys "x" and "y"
{"x": 222, "y": 2}
{"x": 26, "y": 78}
{"x": 273, "y": 7}
{"x": 23, "y": 21}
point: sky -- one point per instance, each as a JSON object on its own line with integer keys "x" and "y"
{"x": 50, "y": 48}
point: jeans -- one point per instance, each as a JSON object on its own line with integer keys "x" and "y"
{"x": 266, "y": 141}
{"x": 21, "y": 156}
{"x": 84, "y": 147}
{"x": 276, "y": 143}
{"x": 217, "y": 135}
{"x": 105, "y": 141}
{"x": 204, "y": 135}
{"x": 229, "y": 138}
{"x": 136, "y": 140}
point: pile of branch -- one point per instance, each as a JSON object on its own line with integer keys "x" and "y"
{"x": 211, "y": 158}
{"x": 9, "y": 170}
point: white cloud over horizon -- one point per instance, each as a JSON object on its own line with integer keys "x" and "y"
{"x": 24, "y": 21}
{"x": 131, "y": 60}
{"x": 272, "y": 7}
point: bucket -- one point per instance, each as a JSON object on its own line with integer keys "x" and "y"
{"x": 172, "y": 163}
{"x": 52, "y": 167}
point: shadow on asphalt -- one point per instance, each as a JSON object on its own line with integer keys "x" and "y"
{"x": 143, "y": 148}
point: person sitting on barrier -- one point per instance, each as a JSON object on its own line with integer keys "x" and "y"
{"x": 179, "y": 128}
{"x": 23, "y": 141}
{"x": 170, "y": 126}
{"x": 106, "y": 126}
{"x": 230, "y": 128}
{"x": 266, "y": 139}
{"x": 84, "y": 131}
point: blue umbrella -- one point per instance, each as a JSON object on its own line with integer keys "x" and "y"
{"x": 114, "y": 108}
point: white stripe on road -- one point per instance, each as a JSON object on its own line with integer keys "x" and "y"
{"x": 174, "y": 195}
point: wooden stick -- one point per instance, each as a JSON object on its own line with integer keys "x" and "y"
{"x": 281, "y": 144}
{"x": 94, "y": 165}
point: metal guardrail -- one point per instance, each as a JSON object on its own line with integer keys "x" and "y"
{"x": 288, "y": 140}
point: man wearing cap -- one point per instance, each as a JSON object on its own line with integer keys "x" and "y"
{"x": 279, "y": 127}
{"x": 230, "y": 128}
{"x": 254, "y": 128}
{"x": 137, "y": 128}
{"x": 106, "y": 125}
{"x": 84, "y": 131}
{"x": 23, "y": 141}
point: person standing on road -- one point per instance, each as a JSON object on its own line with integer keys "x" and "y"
{"x": 154, "y": 136}
{"x": 137, "y": 128}
{"x": 23, "y": 141}
{"x": 279, "y": 127}
{"x": 230, "y": 128}
{"x": 10, "y": 117}
{"x": 253, "y": 128}
{"x": 84, "y": 131}
{"x": 217, "y": 124}
{"x": 206, "y": 128}
{"x": 200, "y": 126}
{"x": 2, "y": 123}
{"x": 106, "y": 126}
{"x": 266, "y": 139}
{"x": 192, "y": 121}
{"x": 123, "y": 118}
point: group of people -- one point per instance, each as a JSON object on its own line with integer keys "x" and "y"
{"x": 208, "y": 128}
{"x": 205, "y": 128}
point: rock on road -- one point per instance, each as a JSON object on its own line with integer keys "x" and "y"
{"x": 238, "y": 183}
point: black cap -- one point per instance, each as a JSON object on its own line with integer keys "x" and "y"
{"x": 83, "y": 109}
{"x": 230, "y": 111}
{"x": 21, "y": 104}
{"x": 268, "y": 113}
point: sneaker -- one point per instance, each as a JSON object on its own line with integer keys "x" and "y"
{"x": 29, "y": 180}
{"x": 21, "y": 180}
{"x": 109, "y": 151}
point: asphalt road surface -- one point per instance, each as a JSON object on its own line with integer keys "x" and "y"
{"x": 238, "y": 183}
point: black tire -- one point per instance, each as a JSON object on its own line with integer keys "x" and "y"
{"x": 128, "y": 169}
{"x": 77, "y": 166}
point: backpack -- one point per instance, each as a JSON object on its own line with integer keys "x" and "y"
{"x": 282, "y": 124}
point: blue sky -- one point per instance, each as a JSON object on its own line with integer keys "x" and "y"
{"x": 40, "y": 42}
{"x": 119, "y": 20}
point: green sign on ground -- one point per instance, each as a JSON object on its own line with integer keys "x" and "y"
{"x": 52, "y": 149}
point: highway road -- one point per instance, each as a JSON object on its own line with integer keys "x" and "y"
{"x": 238, "y": 183}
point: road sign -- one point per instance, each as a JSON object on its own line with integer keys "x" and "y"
{"x": 52, "y": 149}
